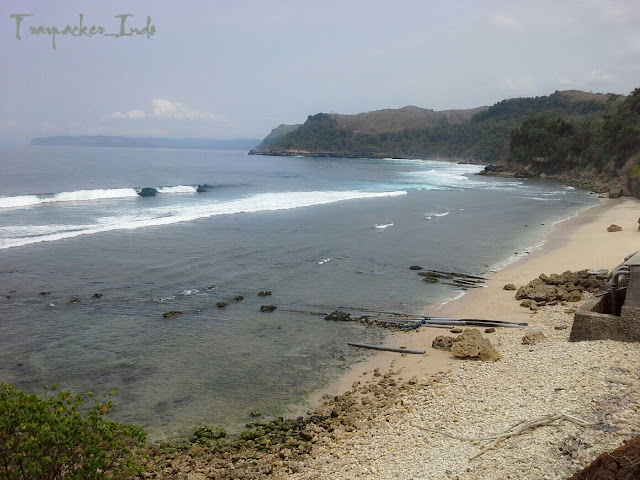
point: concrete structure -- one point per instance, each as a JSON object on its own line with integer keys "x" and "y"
{"x": 595, "y": 319}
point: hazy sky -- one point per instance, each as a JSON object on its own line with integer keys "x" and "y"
{"x": 236, "y": 68}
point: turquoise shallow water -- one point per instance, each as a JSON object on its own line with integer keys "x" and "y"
{"x": 318, "y": 233}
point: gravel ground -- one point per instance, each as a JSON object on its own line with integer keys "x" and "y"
{"x": 479, "y": 399}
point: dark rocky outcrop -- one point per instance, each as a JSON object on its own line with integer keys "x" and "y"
{"x": 264, "y": 293}
{"x": 623, "y": 463}
{"x": 171, "y": 314}
{"x": 238, "y": 298}
{"x": 339, "y": 316}
{"x": 148, "y": 192}
{"x": 415, "y": 267}
{"x": 222, "y": 304}
{"x": 509, "y": 286}
{"x": 267, "y": 308}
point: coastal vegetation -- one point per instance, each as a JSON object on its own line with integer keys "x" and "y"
{"x": 591, "y": 140}
{"x": 57, "y": 436}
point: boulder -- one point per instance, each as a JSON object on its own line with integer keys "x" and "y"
{"x": 509, "y": 286}
{"x": 97, "y": 295}
{"x": 339, "y": 316}
{"x": 471, "y": 344}
{"x": 533, "y": 338}
{"x": 172, "y": 313}
{"x": 415, "y": 267}
{"x": 222, "y": 304}
{"x": 616, "y": 192}
{"x": 442, "y": 342}
{"x": 430, "y": 279}
{"x": 267, "y": 308}
{"x": 264, "y": 293}
{"x": 614, "y": 228}
{"x": 238, "y": 298}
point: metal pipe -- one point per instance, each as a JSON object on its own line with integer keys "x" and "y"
{"x": 619, "y": 271}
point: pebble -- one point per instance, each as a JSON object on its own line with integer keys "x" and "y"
{"x": 477, "y": 399}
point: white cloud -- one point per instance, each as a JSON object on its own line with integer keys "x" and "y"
{"x": 163, "y": 108}
{"x": 131, "y": 115}
{"x": 505, "y": 23}
{"x": 565, "y": 82}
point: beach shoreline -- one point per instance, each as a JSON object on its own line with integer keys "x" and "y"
{"x": 578, "y": 242}
{"x": 410, "y": 417}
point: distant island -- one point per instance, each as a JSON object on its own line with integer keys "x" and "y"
{"x": 591, "y": 140}
{"x": 147, "y": 142}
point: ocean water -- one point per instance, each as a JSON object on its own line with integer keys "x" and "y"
{"x": 319, "y": 233}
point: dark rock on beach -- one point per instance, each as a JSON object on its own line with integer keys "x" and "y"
{"x": 614, "y": 228}
{"x": 74, "y": 300}
{"x": 267, "y": 308}
{"x": 44, "y": 293}
{"x": 509, "y": 286}
{"x": 339, "y": 316}
{"x": 415, "y": 267}
{"x": 222, "y": 304}
{"x": 172, "y": 313}
{"x": 96, "y": 295}
{"x": 264, "y": 293}
{"x": 238, "y": 298}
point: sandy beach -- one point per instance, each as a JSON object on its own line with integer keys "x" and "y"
{"x": 476, "y": 399}
{"x": 434, "y": 416}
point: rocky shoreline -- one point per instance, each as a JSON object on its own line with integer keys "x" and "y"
{"x": 413, "y": 416}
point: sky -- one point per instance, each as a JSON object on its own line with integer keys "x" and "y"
{"x": 238, "y": 68}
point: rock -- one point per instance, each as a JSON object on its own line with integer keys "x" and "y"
{"x": 471, "y": 344}
{"x": 430, "y": 279}
{"x": 616, "y": 192}
{"x": 509, "y": 286}
{"x": 238, "y": 298}
{"x": 172, "y": 313}
{"x": 97, "y": 295}
{"x": 74, "y": 300}
{"x": 415, "y": 267}
{"x": 614, "y": 228}
{"x": 621, "y": 463}
{"x": 264, "y": 293}
{"x": 456, "y": 330}
{"x": 442, "y": 343}
{"x": 256, "y": 413}
{"x": 222, "y": 304}
{"x": 533, "y": 338}
{"x": 339, "y": 316}
{"x": 44, "y": 293}
{"x": 148, "y": 192}
{"x": 528, "y": 303}
{"x": 267, "y": 308}
{"x": 489, "y": 330}
{"x": 574, "y": 296}
{"x": 560, "y": 327}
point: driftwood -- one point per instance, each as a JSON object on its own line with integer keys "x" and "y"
{"x": 518, "y": 429}
{"x": 472, "y": 322}
{"x": 386, "y": 349}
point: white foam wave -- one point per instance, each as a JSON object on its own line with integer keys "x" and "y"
{"x": 22, "y": 201}
{"x": 323, "y": 261}
{"x": 77, "y": 196}
{"x": 383, "y": 226}
{"x": 176, "y": 214}
{"x": 178, "y": 189}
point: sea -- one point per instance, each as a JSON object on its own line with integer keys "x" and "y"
{"x": 88, "y": 266}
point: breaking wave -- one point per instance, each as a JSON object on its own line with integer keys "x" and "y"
{"x": 158, "y": 216}
{"x": 23, "y": 201}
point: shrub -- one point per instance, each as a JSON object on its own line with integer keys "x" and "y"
{"x": 55, "y": 437}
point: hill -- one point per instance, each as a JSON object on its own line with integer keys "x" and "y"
{"x": 479, "y": 134}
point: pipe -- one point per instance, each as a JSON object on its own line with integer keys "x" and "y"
{"x": 619, "y": 271}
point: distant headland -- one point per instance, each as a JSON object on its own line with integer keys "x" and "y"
{"x": 147, "y": 142}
